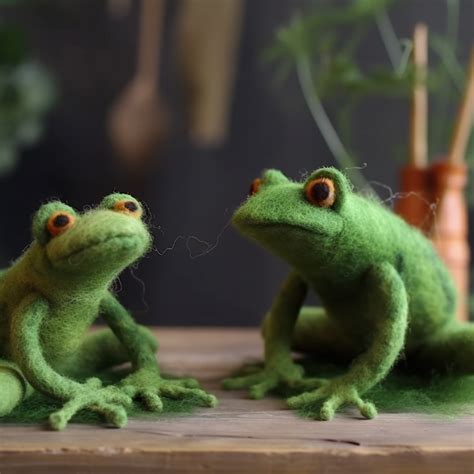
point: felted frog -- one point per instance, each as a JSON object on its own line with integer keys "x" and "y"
{"x": 51, "y": 295}
{"x": 385, "y": 294}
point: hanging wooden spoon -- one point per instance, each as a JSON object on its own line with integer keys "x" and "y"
{"x": 137, "y": 122}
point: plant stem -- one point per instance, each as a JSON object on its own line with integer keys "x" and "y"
{"x": 453, "y": 23}
{"x": 324, "y": 124}
{"x": 402, "y": 67}
{"x": 389, "y": 38}
{"x": 451, "y": 70}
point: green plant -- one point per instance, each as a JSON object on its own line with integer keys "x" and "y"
{"x": 323, "y": 44}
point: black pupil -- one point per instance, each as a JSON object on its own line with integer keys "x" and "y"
{"x": 320, "y": 191}
{"x": 61, "y": 220}
{"x": 131, "y": 206}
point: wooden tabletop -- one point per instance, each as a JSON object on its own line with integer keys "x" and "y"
{"x": 241, "y": 435}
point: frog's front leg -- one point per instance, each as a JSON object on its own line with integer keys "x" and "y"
{"x": 146, "y": 381}
{"x": 279, "y": 325}
{"x": 28, "y": 354}
{"x": 101, "y": 350}
{"x": 389, "y": 309}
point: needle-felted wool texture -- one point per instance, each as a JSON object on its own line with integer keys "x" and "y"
{"x": 50, "y": 297}
{"x": 432, "y": 393}
{"x": 37, "y": 407}
{"x": 386, "y": 295}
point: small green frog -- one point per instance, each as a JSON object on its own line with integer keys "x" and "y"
{"x": 50, "y": 297}
{"x": 384, "y": 291}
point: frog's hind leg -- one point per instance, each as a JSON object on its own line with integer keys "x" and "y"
{"x": 13, "y": 387}
{"x": 316, "y": 334}
{"x": 450, "y": 349}
{"x": 101, "y": 350}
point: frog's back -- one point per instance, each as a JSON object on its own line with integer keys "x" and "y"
{"x": 429, "y": 285}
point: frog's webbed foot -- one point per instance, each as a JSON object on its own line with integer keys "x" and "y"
{"x": 150, "y": 387}
{"x": 261, "y": 380}
{"x": 323, "y": 403}
{"x": 108, "y": 401}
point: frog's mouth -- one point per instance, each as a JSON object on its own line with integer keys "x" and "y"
{"x": 115, "y": 242}
{"x": 252, "y": 226}
{"x": 283, "y": 226}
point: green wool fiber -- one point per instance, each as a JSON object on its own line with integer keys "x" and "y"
{"x": 400, "y": 392}
{"x": 387, "y": 300}
{"x": 49, "y": 298}
{"x": 37, "y": 407}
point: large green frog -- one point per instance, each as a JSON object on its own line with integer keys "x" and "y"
{"x": 384, "y": 291}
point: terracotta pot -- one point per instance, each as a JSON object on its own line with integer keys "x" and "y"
{"x": 449, "y": 226}
{"x": 414, "y": 200}
{"x": 432, "y": 199}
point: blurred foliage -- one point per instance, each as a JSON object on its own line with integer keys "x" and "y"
{"x": 329, "y": 40}
{"x": 330, "y": 36}
{"x": 27, "y": 92}
{"x": 323, "y": 44}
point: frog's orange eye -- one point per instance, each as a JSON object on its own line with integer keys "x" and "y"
{"x": 59, "y": 222}
{"x": 321, "y": 192}
{"x": 128, "y": 207}
{"x": 255, "y": 186}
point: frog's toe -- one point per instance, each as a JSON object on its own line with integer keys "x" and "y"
{"x": 307, "y": 383}
{"x": 211, "y": 400}
{"x": 367, "y": 409}
{"x": 307, "y": 398}
{"x": 205, "y": 398}
{"x": 129, "y": 390}
{"x": 118, "y": 396}
{"x": 93, "y": 383}
{"x": 152, "y": 401}
{"x": 58, "y": 420}
{"x": 260, "y": 389}
{"x": 237, "y": 383}
{"x": 329, "y": 408}
{"x": 114, "y": 414}
{"x": 118, "y": 417}
{"x": 177, "y": 392}
{"x": 187, "y": 382}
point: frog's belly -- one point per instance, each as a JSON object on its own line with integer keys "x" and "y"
{"x": 354, "y": 317}
{"x": 62, "y": 334}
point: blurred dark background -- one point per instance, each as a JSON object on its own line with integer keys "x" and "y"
{"x": 190, "y": 191}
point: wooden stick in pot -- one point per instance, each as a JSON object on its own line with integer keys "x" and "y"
{"x": 414, "y": 205}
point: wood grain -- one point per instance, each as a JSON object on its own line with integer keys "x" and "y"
{"x": 241, "y": 435}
